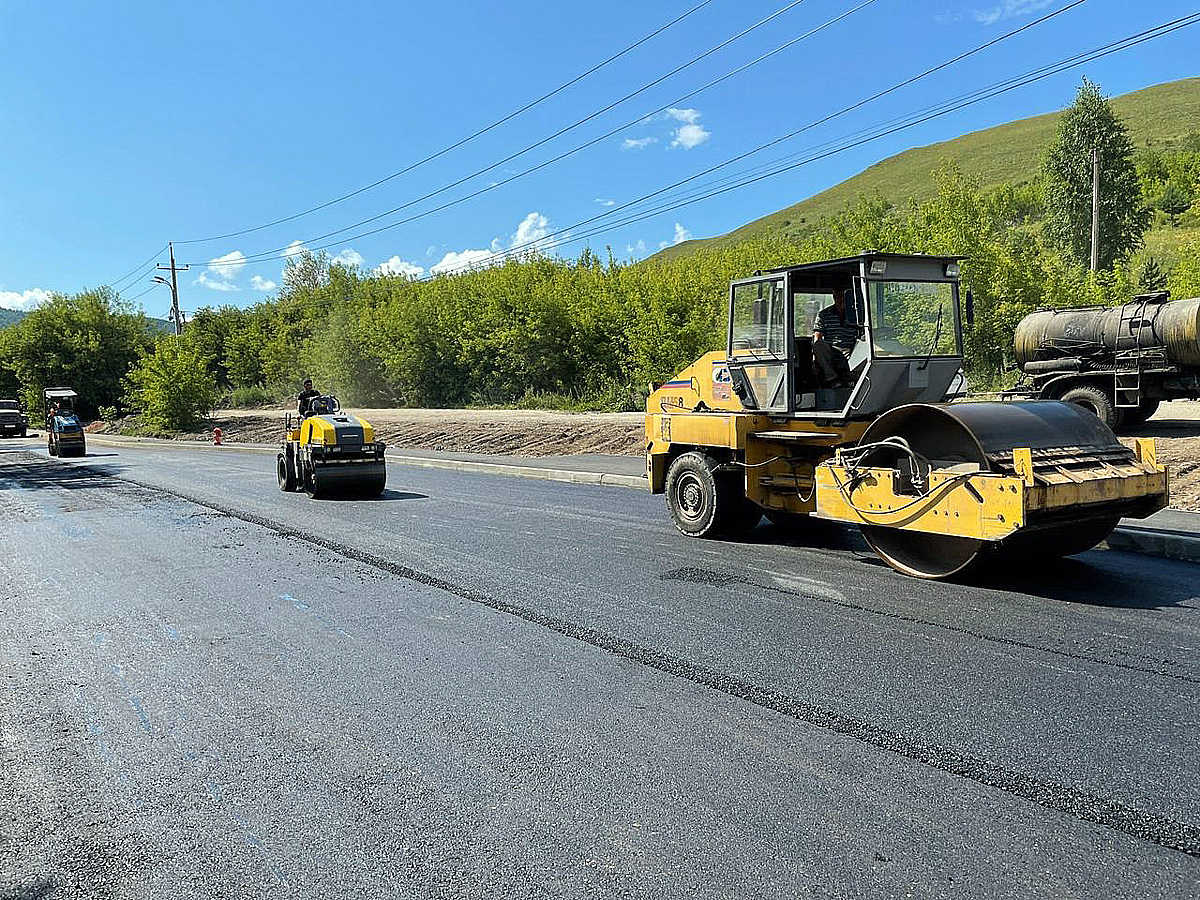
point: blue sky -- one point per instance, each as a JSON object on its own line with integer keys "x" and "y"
{"x": 125, "y": 125}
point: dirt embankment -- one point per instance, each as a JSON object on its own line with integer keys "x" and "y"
{"x": 510, "y": 432}
{"x": 506, "y": 432}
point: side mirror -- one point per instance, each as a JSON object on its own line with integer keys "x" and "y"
{"x": 970, "y": 308}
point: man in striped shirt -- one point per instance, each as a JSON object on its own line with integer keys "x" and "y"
{"x": 834, "y": 337}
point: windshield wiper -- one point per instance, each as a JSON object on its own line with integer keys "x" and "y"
{"x": 937, "y": 336}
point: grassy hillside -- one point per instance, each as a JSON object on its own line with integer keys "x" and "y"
{"x": 1005, "y": 153}
{"x": 10, "y": 317}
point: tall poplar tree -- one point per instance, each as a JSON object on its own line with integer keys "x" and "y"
{"x": 1088, "y": 124}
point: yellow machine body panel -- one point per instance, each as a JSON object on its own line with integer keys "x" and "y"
{"x": 966, "y": 500}
{"x": 319, "y": 430}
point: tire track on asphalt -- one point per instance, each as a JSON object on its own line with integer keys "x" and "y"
{"x": 1063, "y": 798}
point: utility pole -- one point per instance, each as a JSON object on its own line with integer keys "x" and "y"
{"x": 174, "y": 285}
{"x": 1095, "y": 209}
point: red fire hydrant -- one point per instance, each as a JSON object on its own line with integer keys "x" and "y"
{"x": 217, "y": 436}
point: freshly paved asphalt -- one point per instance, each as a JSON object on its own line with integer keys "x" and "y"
{"x": 481, "y": 686}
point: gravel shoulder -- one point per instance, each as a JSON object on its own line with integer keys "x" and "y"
{"x": 519, "y": 432}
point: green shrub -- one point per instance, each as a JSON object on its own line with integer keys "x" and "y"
{"x": 249, "y": 396}
{"x": 171, "y": 385}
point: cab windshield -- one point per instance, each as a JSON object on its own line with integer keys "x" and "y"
{"x": 911, "y": 318}
{"x": 9, "y": 404}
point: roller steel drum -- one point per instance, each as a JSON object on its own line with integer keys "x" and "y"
{"x": 1174, "y": 325}
{"x": 985, "y": 434}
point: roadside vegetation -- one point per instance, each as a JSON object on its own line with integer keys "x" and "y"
{"x": 592, "y": 332}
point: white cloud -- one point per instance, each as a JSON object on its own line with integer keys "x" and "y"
{"x": 293, "y": 248}
{"x": 430, "y": 250}
{"x": 532, "y": 234}
{"x": 681, "y": 234}
{"x": 229, "y": 265}
{"x": 349, "y": 258}
{"x": 261, "y": 284}
{"x": 690, "y": 133}
{"x": 989, "y": 15}
{"x": 603, "y": 201}
{"x": 215, "y": 284}
{"x": 690, "y": 116}
{"x": 533, "y": 228}
{"x": 638, "y": 143}
{"x": 689, "y": 136}
{"x": 398, "y": 266}
{"x": 636, "y": 249}
{"x": 463, "y": 259}
{"x": 24, "y": 300}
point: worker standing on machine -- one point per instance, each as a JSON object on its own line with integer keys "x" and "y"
{"x": 304, "y": 400}
{"x": 833, "y": 340}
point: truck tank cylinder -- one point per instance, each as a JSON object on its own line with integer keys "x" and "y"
{"x": 1174, "y": 324}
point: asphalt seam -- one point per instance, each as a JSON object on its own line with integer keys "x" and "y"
{"x": 1160, "y": 830}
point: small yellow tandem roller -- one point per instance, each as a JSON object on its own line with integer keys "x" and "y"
{"x": 829, "y": 401}
{"x": 327, "y": 453}
{"x": 937, "y": 488}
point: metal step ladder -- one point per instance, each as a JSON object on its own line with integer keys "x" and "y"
{"x": 1128, "y": 364}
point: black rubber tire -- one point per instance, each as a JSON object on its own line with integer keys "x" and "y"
{"x": 287, "y": 481}
{"x": 1135, "y": 417}
{"x": 743, "y": 514}
{"x": 703, "y": 504}
{"x": 1095, "y": 400}
{"x": 313, "y": 486}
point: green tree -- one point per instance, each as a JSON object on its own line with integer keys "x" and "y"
{"x": 1090, "y": 124}
{"x": 1152, "y": 278}
{"x": 86, "y": 341}
{"x": 172, "y": 385}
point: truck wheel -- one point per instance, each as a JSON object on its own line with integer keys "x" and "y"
{"x": 1096, "y": 401}
{"x": 700, "y": 504}
{"x": 287, "y": 481}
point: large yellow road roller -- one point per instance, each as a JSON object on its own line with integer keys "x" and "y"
{"x": 827, "y": 401}
{"x": 327, "y": 453}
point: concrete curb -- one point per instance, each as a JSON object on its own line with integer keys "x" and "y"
{"x": 1130, "y": 538}
{"x": 1155, "y": 542}
{"x": 458, "y": 465}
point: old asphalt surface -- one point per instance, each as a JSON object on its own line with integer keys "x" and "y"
{"x": 481, "y": 686}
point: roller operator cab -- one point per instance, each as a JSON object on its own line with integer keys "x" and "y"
{"x": 327, "y": 453}
{"x": 775, "y": 424}
{"x": 64, "y": 431}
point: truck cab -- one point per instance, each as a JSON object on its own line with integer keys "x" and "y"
{"x": 13, "y": 421}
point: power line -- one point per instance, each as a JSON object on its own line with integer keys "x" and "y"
{"x": 871, "y": 134}
{"x": 146, "y": 264}
{"x": 482, "y": 131}
{"x": 813, "y": 158}
{"x": 831, "y": 116}
{"x": 268, "y": 254}
{"x": 143, "y": 293}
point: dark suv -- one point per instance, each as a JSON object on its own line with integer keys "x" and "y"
{"x": 13, "y": 422}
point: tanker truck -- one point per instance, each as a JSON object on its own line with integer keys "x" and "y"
{"x": 1118, "y": 362}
